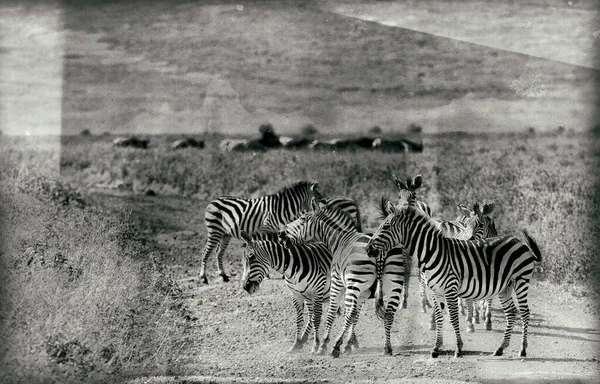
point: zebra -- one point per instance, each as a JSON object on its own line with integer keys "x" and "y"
{"x": 479, "y": 269}
{"x": 342, "y": 203}
{"x": 407, "y": 195}
{"x": 227, "y": 216}
{"x": 486, "y": 228}
{"x": 352, "y": 271}
{"x": 306, "y": 268}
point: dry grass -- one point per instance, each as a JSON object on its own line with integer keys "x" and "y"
{"x": 542, "y": 183}
{"x": 82, "y": 298}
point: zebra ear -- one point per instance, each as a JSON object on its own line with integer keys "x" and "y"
{"x": 488, "y": 208}
{"x": 390, "y": 208}
{"x": 399, "y": 183}
{"x": 247, "y": 239}
{"x": 416, "y": 182}
{"x": 314, "y": 187}
{"x": 464, "y": 209}
{"x": 477, "y": 209}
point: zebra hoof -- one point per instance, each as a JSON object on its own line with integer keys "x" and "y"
{"x": 423, "y": 310}
{"x": 335, "y": 353}
{"x": 295, "y": 348}
{"x": 322, "y": 350}
{"x": 435, "y": 353}
{"x": 523, "y": 353}
{"x": 203, "y": 280}
{"x": 457, "y": 354}
{"x": 499, "y": 352}
{"x": 348, "y": 349}
{"x": 387, "y": 351}
{"x": 488, "y": 326}
{"x": 315, "y": 350}
{"x": 225, "y": 278}
{"x": 432, "y": 327}
{"x": 470, "y": 328}
{"x": 477, "y": 320}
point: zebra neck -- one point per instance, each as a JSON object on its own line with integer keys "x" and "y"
{"x": 280, "y": 258}
{"x": 339, "y": 242}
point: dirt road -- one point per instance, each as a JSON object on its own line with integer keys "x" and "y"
{"x": 243, "y": 338}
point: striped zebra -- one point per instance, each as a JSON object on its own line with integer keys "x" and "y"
{"x": 353, "y": 273}
{"x": 407, "y": 195}
{"x": 486, "y": 228}
{"x": 476, "y": 270}
{"x": 306, "y": 268}
{"x": 227, "y": 216}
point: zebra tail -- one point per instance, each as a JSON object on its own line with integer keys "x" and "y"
{"x": 533, "y": 246}
{"x": 379, "y": 304}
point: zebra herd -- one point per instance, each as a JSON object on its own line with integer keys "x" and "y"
{"x": 317, "y": 244}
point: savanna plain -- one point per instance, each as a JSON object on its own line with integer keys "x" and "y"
{"x": 101, "y": 245}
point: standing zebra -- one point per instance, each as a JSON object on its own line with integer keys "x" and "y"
{"x": 475, "y": 270}
{"x": 407, "y": 195}
{"x": 486, "y": 228}
{"x": 352, "y": 271}
{"x": 306, "y": 268}
{"x": 227, "y": 216}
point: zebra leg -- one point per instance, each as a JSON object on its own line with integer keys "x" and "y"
{"x": 462, "y": 306}
{"x": 487, "y": 307}
{"x": 475, "y": 309}
{"x": 335, "y": 296}
{"x": 521, "y": 290}
{"x": 452, "y": 300}
{"x": 352, "y": 341}
{"x": 351, "y": 317}
{"x": 423, "y": 292}
{"x": 317, "y": 313}
{"x": 407, "y": 268}
{"x": 212, "y": 243}
{"x": 388, "y": 321}
{"x": 432, "y": 321}
{"x": 439, "y": 306}
{"x": 470, "y": 305}
{"x": 224, "y": 243}
{"x": 299, "y": 306}
{"x": 510, "y": 311}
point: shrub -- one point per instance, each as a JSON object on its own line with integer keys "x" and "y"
{"x": 81, "y": 300}
{"x": 375, "y": 130}
{"x": 415, "y": 128}
{"x": 309, "y": 130}
{"x": 86, "y": 132}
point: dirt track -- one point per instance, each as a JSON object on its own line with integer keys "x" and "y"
{"x": 243, "y": 338}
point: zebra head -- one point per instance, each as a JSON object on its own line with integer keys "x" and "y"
{"x": 478, "y": 218}
{"x": 297, "y": 231}
{"x": 385, "y": 237}
{"x": 256, "y": 264}
{"x": 407, "y": 190}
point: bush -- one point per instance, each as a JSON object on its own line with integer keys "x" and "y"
{"x": 86, "y": 132}
{"x": 309, "y": 130}
{"x": 375, "y": 130}
{"x": 415, "y": 128}
{"x": 81, "y": 300}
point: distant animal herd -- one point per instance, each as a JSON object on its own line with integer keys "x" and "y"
{"x": 318, "y": 245}
{"x": 270, "y": 140}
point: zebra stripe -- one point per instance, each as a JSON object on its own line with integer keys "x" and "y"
{"x": 227, "y": 216}
{"x": 407, "y": 195}
{"x": 352, "y": 271}
{"x": 306, "y": 268}
{"x": 479, "y": 269}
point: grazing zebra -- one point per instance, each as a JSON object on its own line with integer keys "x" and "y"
{"x": 306, "y": 268}
{"x": 476, "y": 270}
{"x": 407, "y": 195}
{"x": 227, "y": 216}
{"x": 352, "y": 271}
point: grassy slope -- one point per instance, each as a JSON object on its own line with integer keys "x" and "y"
{"x": 538, "y": 182}
{"x": 288, "y": 59}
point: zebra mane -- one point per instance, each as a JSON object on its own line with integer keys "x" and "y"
{"x": 339, "y": 217}
{"x": 382, "y": 207}
{"x": 294, "y": 187}
{"x": 416, "y": 212}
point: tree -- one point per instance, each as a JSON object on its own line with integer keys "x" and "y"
{"x": 415, "y": 128}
